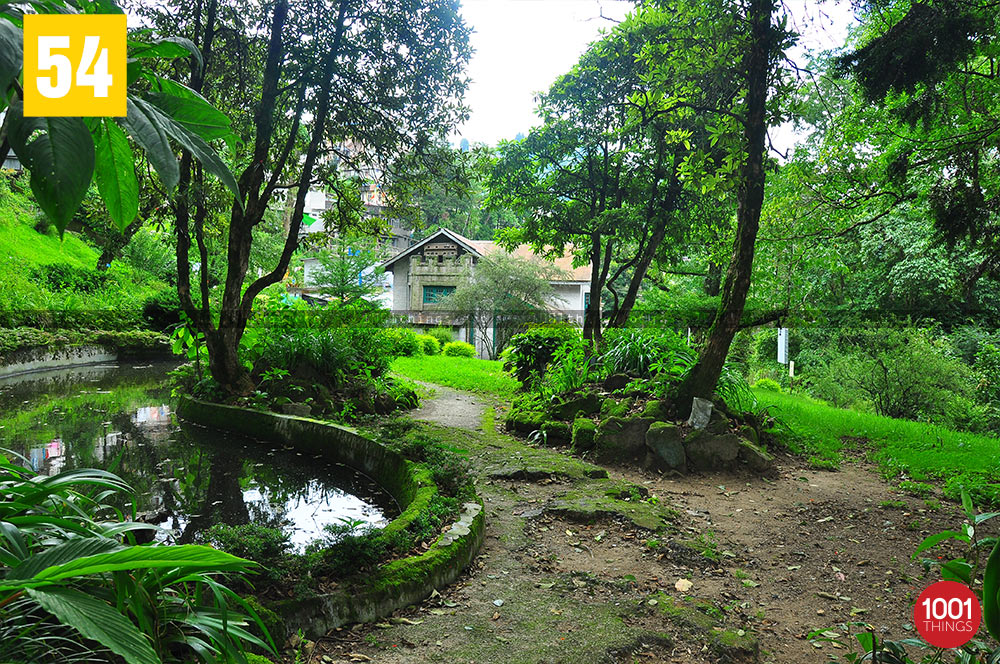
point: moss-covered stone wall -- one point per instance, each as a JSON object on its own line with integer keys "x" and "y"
{"x": 395, "y": 584}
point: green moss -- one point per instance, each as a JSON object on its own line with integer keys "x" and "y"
{"x": 274, "y": 623}
{"x": 584, "y": 431}
{"x": 556, "y": 431}
{"x": 614, "y": 408}
{"x": 657, "y": 409}
{"x": 524, "y": 421}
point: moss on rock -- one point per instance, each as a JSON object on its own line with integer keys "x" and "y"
{"x": 584, "y": 431}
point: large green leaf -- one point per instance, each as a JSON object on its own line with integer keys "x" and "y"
{"x": 97, "y": 620}
{"x": 10, "y": 57}
{"x": 190, "y": 557}
{"x": 194, "y": 144}
{"x": 195, "y": 114}
{"x": 168, "y": 47}
{"x": 153, "y": 139}
{"x": 59, "y": 154}
{"x": 115, "y": 172}
{"x": 61, "y": 554}
{"x": 991, "y": 588}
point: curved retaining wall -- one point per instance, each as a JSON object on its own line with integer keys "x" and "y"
{"x": 42, "y": 358}
{"x": 395, "y": 584}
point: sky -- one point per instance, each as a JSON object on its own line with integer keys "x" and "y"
{"x": 521, "y": 46}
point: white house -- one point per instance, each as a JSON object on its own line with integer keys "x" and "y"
{"x": 431, "y": 269}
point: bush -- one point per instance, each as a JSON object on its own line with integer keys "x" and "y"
{"x": 904, "y": 373}
{"x": 162, "y": 310}
{"x": 768, "y": 384}
{"x": 639, "y": 352}
{"x": 267, "y": 546}
{"x": 403, "y": 341}
{"x": 66, "y": 277}
{"x": 459, "y": 349}
{"x": 531, "y": 351}
{"x": 442, "y": 334}
{"x": 431, "y": 345}
{"x": 336, "y": 344}
{"x": 174, "y": 593}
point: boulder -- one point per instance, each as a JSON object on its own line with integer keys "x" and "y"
{"x": 718, "y": 423}
{"x": 616, "y": 382}
{"x": 583, "y": 434}
{"x": 556, "y": 433}
{"x": 524, "y": 421}
{"x": 665, "y": 447}
{"x": 614, "y": 408}
{"x": 756, "y": 457}
{"x": 620, "y": 438}
{"x": 588, "y": 404}
{"x": 708, "y": 451}
{"x": 750, "y": 434}
{"x": 658, "y": 409}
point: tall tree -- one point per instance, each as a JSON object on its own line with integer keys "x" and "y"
{"x": 328, "y": 85}
{"x": 723, "y": 61}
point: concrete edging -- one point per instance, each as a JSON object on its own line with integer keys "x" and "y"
{"x": 394, "y": 585}
{"x": 42, "y": 358}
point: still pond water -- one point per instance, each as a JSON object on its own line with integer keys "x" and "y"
{"x": 186, "y": 479}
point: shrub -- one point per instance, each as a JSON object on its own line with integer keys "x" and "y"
{"x": 442, "y": 334}
{"x": 768, "y": 384}
{"x": 636, "y": 351}
{"x": 459, "y": 349}
{"x": 531, "y": 351}
{"x": 431, "y": 345}
{"x": 174, "y": 595}
{"x": 403, "y": 341}
{"x": 162, "y": 309}
{"x": 902, "y": 373}
{"x": 66, "y": 277}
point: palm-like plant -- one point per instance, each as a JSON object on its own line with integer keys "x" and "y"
{"x": 69, "y": 567}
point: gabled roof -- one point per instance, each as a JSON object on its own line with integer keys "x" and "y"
{"x": 480, "y": 248}
{"x": 464, "y": 242}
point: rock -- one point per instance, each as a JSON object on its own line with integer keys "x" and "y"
{"x": 614, "y": 408}
{"x": 584, "y": 431}
{"x": 616, "y": 382}
{"x": 701, "y": 413}
{"x": 588, "y": 404}
{"x": 750, "y": 434}
{"x": 296, "y": 409}
{"x": 755, "y": 457}
{"x": 618, "y": 438}
{"x": 556, "y": 433}
{"x": 658, "y": 409}
{"x": 524, "y": 421}
{"x": 718, "y": 423}
{"x": 665, "y": 447}
{"x": 707, "y": 451}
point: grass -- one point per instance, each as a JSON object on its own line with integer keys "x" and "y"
{"x": 917, "y": 450}
{"x": 462, "y": 373}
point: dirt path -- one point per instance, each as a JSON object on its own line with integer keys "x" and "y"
{"x": 566, "y": 575}
{"x": 450, "y": 408}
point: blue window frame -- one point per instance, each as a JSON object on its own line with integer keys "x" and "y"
{"x": 433, "y": 294}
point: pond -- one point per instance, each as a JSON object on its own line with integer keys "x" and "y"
{"x": 121, "y": 418}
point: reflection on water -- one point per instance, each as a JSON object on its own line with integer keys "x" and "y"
{"x": 186, "y": 478}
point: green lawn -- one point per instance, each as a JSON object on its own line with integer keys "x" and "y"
{"x": 462, "y": 373}
{"x": 917, "y": 449}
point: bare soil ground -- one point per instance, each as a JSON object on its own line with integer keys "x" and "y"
{"x": 767, "y": 559}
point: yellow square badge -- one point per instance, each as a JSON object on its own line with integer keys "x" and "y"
{"x": 74, "y": 65}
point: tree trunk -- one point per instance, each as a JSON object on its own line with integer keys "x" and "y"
{"x": 592, "y": 315}
{"x": 704, "y": 376}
